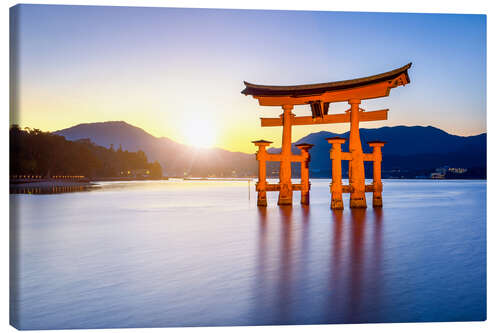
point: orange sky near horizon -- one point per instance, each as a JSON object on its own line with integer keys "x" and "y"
{"x": 176, "y": 72}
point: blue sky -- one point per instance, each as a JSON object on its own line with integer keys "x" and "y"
{"x": 163, "y": 69}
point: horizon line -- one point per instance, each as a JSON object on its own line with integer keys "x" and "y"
{"x": 234, "y": 151}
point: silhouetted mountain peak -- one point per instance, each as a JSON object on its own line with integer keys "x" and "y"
{"x": 105, "y": 125}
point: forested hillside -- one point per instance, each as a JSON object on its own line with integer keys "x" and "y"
{"x": 34, "y": 152}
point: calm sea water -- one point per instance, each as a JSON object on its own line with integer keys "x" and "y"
{"x": 177, "y": 253}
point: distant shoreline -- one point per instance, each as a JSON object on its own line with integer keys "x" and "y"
{"x": 45, "y": 183}
{"x": 72, "y": 182}
{"x": 50, "y": 183}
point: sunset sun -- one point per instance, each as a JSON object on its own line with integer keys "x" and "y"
{"x": 200, "y": 134}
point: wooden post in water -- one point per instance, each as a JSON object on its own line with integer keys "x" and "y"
{"x": 262, "y": 183}
{"x": 377, "y": 172}
{"x": 304, "y": 172}
{"x": 336, "y": 184}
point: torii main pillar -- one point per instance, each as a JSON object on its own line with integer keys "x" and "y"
{"x": 286, "y": 193}
{"x": 319, "y": 97}
{"x": 356, "y": 164}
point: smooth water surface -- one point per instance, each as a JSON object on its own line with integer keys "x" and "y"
{"x": 180, "y": 253}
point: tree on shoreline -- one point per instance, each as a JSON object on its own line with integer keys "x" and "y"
{"x": 34, "y": 152}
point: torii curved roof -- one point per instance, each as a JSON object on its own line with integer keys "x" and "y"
{"x": 319, "y": 88}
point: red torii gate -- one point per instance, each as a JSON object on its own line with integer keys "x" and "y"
{"x": 319, "y": 97}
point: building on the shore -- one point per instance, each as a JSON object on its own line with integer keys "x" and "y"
{"x": 457, "y": 170}
{"x": 437, "y": 175}
{"x": 443, "y": 171}
{"x": 136, "y": 173}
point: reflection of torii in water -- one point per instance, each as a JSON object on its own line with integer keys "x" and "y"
{"x": 293, "y": 285}
{"x": 319, "y": 97}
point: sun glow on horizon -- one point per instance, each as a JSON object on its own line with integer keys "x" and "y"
{"x": 140, "y": 68}
{"x": 200, "y": 133}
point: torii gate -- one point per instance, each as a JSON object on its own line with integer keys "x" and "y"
{"x": 319, "y": 97}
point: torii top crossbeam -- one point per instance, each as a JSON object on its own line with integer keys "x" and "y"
{"x": 320, "y": 95}
{"x": 339, "y": 91}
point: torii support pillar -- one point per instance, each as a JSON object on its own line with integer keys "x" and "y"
{"x": 261, "y": 185}
{"x": 377, "y": 172}
{"x": 304, "y": 172}
{"x": 336, "y": 185}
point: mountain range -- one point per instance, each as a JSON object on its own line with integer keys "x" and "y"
{"x": 175, "y": 158}
{"x": 410, "y": 151}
